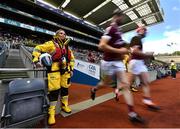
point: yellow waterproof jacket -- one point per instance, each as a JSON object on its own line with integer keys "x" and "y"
{"x": 126, "y": 59}
{"x": 173, "y": 66}
{"x": 72, "y": 61}
{"x": 50, "y": 47}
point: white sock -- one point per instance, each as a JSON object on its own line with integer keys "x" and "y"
{"x": 147, "y": 101}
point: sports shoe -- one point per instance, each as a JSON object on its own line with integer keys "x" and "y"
{"x": 93, "y": 94}
{"x": 117, "y": 94}
{"x": 135, "y": 118}
{"x": 153, "y": 107}
{"x": 150, "y": 105}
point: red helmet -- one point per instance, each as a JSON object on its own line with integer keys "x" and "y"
{"x": 141, "y": 28}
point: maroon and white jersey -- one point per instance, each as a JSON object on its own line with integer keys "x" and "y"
{"x": 113, "y": 34}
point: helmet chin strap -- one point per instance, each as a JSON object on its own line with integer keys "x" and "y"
{"x": 60, "y": 42}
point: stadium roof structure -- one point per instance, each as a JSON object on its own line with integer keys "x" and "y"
{"x": 98, "y": 12}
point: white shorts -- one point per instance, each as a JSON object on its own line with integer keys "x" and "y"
{"x": 111, "y": 67}
{"x": 137, "y": 67}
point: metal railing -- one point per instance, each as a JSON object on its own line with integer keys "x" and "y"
{"x": 26, "y": 57}
{"x": 36, "y": 73}
{"x": 3, "y": 53}
{"x": 2, "y": 58}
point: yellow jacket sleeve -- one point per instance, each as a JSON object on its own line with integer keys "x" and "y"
{"x": 173, "y": 66}
{"x": 72, "y": 60}
{"x": 46, "y": 47}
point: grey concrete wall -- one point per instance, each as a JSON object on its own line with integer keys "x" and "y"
{"x": 168, "y": 59}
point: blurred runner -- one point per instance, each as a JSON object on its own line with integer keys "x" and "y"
{"x": 138, "y": 68}
{"x": 112, "y": 64}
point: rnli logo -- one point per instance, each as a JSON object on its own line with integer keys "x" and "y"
{"x": 79, "y": 65}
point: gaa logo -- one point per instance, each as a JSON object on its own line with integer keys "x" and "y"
{"x": 92, "y": 68}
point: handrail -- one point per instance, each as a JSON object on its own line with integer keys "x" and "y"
{"x": 27, "y": 53}
{"x": 26, "y": 56}
{"x": 20, "y": 69}
{"x": 1, "y": 52}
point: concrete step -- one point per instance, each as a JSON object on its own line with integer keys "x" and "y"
{"x": 6, "y": 75}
